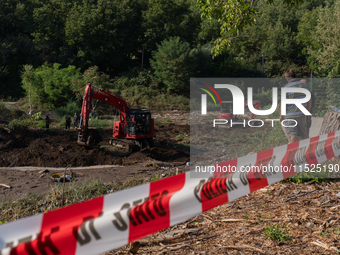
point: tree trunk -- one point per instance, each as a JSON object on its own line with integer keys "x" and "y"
{"x": 331, "y": 122}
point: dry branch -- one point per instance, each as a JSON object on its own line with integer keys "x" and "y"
{"x": 255, "y": 221}
{"x": 6, "y": 186}
{"x": 243, "y": 247}
{"x": 325, "y": 246}
{"x": 334, "y": 207}
{"x": 300, "y": 195}
{"x": 175, "y": 239}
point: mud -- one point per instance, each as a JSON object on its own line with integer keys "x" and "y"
{"x": 24, "y": 147}
{"x": 58, "y": 149}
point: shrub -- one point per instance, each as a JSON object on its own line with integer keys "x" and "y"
{"x": 277, "y": 233}
{"x": 70, "y": 108}
{"x": 93, "y": 76}
{"x": 49, "y": 86}
{"x": 172, "y": 65}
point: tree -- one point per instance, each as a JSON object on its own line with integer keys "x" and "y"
{"x": 172, "y": 66}
{"x": 233, "y": 16}
{"x": 49, "y": 34}
{"x": 50, "y": 86}
{"x": 27, "y": 80}
{"x": 16, "y": 46}
{"x": 327, "y": 35}
{"x": 105, "y": 33}
{"x": 163, "y": 19}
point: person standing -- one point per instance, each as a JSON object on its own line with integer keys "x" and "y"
{"x": 68, "y": 122}
{"x": 293, "y": 114}
{"x": 47, "y": 121}
{"x": 76, "y": 120}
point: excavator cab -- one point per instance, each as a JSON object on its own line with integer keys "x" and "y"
{"x": 138, "y": 122}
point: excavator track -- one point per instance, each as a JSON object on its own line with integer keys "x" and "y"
{"x": 131, "y": 145}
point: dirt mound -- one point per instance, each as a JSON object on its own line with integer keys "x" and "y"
{"x": 24, "y": 147}
{"x": 15, "y": 138}
{"x": 169, "y": 132}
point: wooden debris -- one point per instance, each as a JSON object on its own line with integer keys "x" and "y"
{"x": 5, "y": 185}
{"x": 334, "y": 207}
{"x": 325, "y": 246}
{"x": 299, "y": 195}
{"x": 305, "y": 222}
{"x": 243, "y": 247}
{"x": 174, "y": 239}
{"x": 255, "y": 221}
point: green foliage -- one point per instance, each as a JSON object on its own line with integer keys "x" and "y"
{"x": 104, "y": 33}
{"x": 202, "y": 61}
{"x": 143, "y": 97}
{"x": 70, "y": 108}
{"x": 277, "y": 233}
{"x": 306, "y": 177}
{"x": 164, "y": 19}
{"x": 326, "y": 48}
{"x": 92, "y": 75}
{"x": 49, "y": 86}
{"x": 305, "y": 36}
{"x": 325, "y": 234}
{"x": 108, "y": 37}
{"x": 155, "y": 178}
{"x": 233, "y": 16}
{"x": 181, "y": 137}
{"x": 236, "y": 68}
{"x": 171, "y": 63}
{"x": 16, "y": 46}
{"x": 135, "y": 77}
{"x": 96, "y": 122}
{"x": 26, "y": 121}
{"x": 41, "y": 124}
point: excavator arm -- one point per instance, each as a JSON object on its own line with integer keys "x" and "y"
{"x": 88, "y": 136}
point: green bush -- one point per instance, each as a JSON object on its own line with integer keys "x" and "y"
{"x": 41, "y": 124}
{"x": 70, "y": 108}
{"x": 26, "y": 121}
{"x": 134, "y": 77}
{"x": 93, "y": 76}
{"x": 171, "y": 63}
{"x": 236, "y": 68}
{"x": 49, "y": 86}
{"x": 96, "y": 122}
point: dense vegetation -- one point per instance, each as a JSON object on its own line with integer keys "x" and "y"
{"x": 148, "y": 49}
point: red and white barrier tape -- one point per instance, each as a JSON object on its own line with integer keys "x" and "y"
{"x": 111, "y": 221}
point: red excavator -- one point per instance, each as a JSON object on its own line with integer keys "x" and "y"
{"x": 133, "y": 131}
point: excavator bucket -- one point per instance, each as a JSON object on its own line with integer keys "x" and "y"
{"x": 92, "y": 138}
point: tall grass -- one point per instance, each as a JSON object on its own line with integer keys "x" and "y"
{"x": 31, "y": 203}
